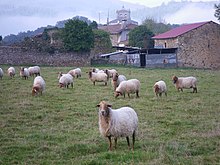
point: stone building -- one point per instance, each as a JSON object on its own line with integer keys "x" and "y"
{"x": 198, "y": 44}
{"x": 120, "y": 27}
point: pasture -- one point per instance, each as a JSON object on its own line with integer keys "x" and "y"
{"x": 61, "y": 126}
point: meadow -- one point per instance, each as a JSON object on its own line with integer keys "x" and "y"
{"x": 61, "y": 126}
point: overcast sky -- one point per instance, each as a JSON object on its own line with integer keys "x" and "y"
{"x": 23, "y": 15}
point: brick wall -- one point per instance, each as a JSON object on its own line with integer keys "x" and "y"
{"x": 21, "y": 56}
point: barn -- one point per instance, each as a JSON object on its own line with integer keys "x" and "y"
{"x": 197, "y": 44}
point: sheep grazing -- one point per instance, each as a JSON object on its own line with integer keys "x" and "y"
{"x": 159, "y": 88}
{"x": 39, "y": 86}
{"x": 75, "y": 72}
{"x": 98, "y": 77}
{"x": 117, "y": 79}
{"x": 66, "y": 80}
{"x": 11, "y": 72}
{"x": 34, "y": 70}
{"x": 122, "y": 122}
{"x": 110, "y": 72}
{"x": 24, "y": 73}
{"x": 129, "y": 86}
{"x": 185, "y": 82}
{"x": 1, "y": 73}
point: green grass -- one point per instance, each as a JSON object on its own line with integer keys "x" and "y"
{"x": 61, "y": 126}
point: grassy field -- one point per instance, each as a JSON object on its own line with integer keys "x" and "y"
{"x": 61, "y": 126}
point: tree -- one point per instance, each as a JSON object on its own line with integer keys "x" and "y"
{"x": 141, "y": 37}
{"x": 217, "y": 11}
{"x": 78, "y": 36}
{"x": 94, "y": 25}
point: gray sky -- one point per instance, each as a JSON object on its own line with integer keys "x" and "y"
{"x": 19, "y": 16}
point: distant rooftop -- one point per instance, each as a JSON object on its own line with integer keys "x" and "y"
{"x": 179, "y": 30}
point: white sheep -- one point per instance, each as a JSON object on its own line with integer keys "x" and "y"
{"x": 160, "y": 87}
{"x": 11, "y": 72}
{"x": 75, "y": 72}
{"x": 98, "y": 77}
{"x": 110, "y": 72}
{"x": 34, "y": 70}
{"x": 24, "y": 73}
{"x": 117, "y": 79}
{"x": 1, "y": 73}
{"x": 122, "y": 122}
{"x": 185, "y": 82}
{"x": 129, "y": 86}
{"x": 66, "y": 80}
{"x": 39, "y": 86}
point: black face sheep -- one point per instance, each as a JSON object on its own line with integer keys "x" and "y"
{"x": 24, "y": 73}
{"x": 129, "y": 86}
{"x": 11, "y": 72}
{"x": 122, "y": 122}
{"x": 117, "y": 79}
{"x": 66, "y": 80}
{"x": 159, "y": 88}
{"x": 39, "y": 86}
{"x": 185, "y": 82}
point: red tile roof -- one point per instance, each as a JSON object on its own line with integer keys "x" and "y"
{"x": 179, "y": 30}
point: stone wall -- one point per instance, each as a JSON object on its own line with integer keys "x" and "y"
{"x": 22, "y": 56}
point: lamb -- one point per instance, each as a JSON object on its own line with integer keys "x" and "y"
{"x": 122, "y": 122}
{"x": 98, "y": 77}
{"x": 11, "y": 72}
{"x": 39, "y": 86}
{"x": 65, "y": 80}
{"x": 110, "y": 72}
{"x": 117, "y": 79}
{"x": 24, "y": 73}
{"x": 160, "y": 87}
{"x": 129, "y": 86}
{"x": 34, "y": 70}
{"x": 75, "y": 72}
{"x": 1, "y": 73}
{"x": 185, "y": 82}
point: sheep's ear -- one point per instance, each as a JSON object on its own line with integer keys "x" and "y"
{"x": 109, "y": 105}
{"x": 97, "y": 105}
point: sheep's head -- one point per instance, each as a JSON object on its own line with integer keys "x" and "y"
{"x": 174, "y": 78}
{"x": 35, "y": 90}
{"x": 61, "y": 85}
{"x": 90, "y": 74}
{"x": 22, "y": 69}
{"x": 115, "y": 76}
{"x": 156, "y": 88}
{"x": 104, "y": 108}
{"x": 117, "y": 93}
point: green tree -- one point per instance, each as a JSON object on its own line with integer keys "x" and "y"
{"x": 78, "y": 36}
{"x": 141, "y": 37}
{"x": 94, "y": 25}
{"x": 217, "y": 11}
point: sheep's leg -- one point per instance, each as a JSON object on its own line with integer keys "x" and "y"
{"x": 94, "y": 83}
{"x": 115, "y": 142}
{"x": 133, "y": 140}
{"x": 181, "y": 89}
{"x": 128, "y": 142}
{"x": 160, "y": 94}
{"x": 129, "y": 95}
{"x": 137, "y": 94}
{"x": 110, "y": 143}
{"x": 194, "y": 89}
{"x": 72, "y": 85}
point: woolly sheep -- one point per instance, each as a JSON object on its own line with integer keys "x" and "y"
{"x": 110, "y": 72}
{"x": 39, "y": 86}
{"x": 66, "y": 80}
{"x": 24, "y": 73}
{"x": 75, "y": 72}
{"x": 98, "y": 77}
{"x": 160, "y": 87}
{"x": 96, "y": 70}
{"x": 1, "y": 73}
{"x": 122, "y": 122}
{"x": 117, "y": 79}
{"x": 185, "y": 82}
{"x": 34, "y": 70}
{"x": 11, "y": 72}
{"x": 129, "y": 86}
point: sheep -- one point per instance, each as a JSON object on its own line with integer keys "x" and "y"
{"x": 11, "y": 72}
{"x": 39, "y": 86}
{"x": 99, "y": 77}
{"x": 110, "y": 72}
{"x": 34, "y": 70}
{"x": 159, "y": 88}
{"x": 66, "y": 80}
{"x": 122, "y": 122}
{"x": 24, "y": 73}
{"x": 96, "y": 70}
{"x": 117, "y": 79}
{"x": 185, "y": 82}
{"x": 1, "y": 73}
{"x": 129, "y": 86}
{"x": 75, "y": 72}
